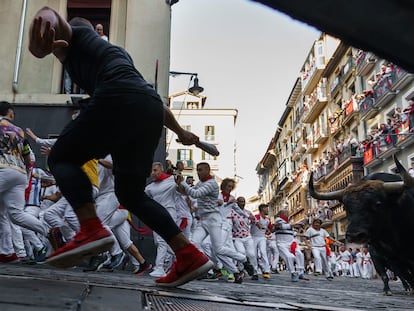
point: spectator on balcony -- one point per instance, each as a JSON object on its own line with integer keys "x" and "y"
{"x": 354, "y": 145}
{"x": 410, "y": 112}
{"x": 340, "y": 146}
{"x": 403, "y": 116}
{"x": 383, "y": 135}
{"x": 100, "y": 32}
{"x": 347, "y": 139}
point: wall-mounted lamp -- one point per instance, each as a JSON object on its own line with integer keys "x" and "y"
{"x": 196, "y": 88}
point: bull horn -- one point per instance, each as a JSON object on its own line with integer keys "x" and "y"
{"x": 394, "y": 186}
{"x": 333, "y": 195}
{"x": 406, "y": 177}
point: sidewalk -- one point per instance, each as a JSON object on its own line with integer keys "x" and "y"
{"x": 41, "y": 287}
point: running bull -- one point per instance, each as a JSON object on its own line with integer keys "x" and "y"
{"x": 380, "y": 210}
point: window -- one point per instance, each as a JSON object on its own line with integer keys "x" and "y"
{"x": 205, "y": 156}
{"x": 192, "y": 105}
{"x": 209, "y": 132}
{"x": 177, "y": 105}
{"x": 184, "y": 154}
{"x": 186, "y": 127}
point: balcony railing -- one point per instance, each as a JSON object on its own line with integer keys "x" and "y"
{"x": 321, "y": 136}
{"x": 383, "y": 92}
{"x": 400, "y": 78}
{"x": 365, "y": 63}
{"x": 314, "y": 104}
{"x": 366, "y": 103}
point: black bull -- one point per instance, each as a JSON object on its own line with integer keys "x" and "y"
{"x": 380, "y": 210}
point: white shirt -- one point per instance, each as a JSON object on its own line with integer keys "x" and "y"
{"x": 317, "y": 238}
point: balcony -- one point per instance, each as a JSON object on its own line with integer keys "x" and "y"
{"x": 300, "y": 148}
{"x": 366, "y": 103}
{"x": 350, "y": 112}
{"x": 311, "y": 148}
{"x": 400, "y": 78}
{"x": 311, "y": 77}
{"x": 321, "y": 136}
{"x": 314, "y": 105}
{"x": 382, "y": 92}
{"x": 405, "y": 137}
{"x": 335, "y": 124}
{"x": 347, "y": 70}
{"x": 371, "y": 158}
{"x": 335, "y": 86}
{"x": 296, "y": 156}
{"x": 365, "y": 63}
{"x": 319, "y": 172}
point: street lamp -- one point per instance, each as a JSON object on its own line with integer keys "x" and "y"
{"x": 196, "y": 88}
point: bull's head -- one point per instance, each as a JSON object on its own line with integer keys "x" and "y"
{"x": 366, "y": 202}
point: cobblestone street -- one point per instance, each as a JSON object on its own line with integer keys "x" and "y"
{"x": 40, "y": 287}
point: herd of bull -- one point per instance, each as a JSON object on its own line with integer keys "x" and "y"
{"x": 380, "y": 210}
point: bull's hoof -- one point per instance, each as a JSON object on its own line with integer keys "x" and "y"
{"x": 387, "y": 293}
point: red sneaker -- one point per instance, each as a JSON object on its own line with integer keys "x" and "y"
{"x": 189, "y": 265}
{"x": 9, "y": 258}
{"x": 83, "y": 245}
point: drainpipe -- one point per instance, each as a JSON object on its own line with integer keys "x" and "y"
{"x": 19, "y": 48}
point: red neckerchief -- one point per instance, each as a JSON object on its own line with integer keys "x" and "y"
{"x": 226, "y": 196}
{"x": 284, "y": 218}
{"x": 207, "y": 178}
{"x": 162, "y": 177}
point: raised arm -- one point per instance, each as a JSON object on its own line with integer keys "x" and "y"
{"x": 49, "y": 33}
{"x": 185, "y": 137}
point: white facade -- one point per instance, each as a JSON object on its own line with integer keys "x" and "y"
{"x": 215, "y": 126}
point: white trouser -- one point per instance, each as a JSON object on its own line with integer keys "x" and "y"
{"x": 345, "y": 268}
{"x": 12, "y": 188}
{"x": 300, "y": 260}
{"x": 367, "y": 270}
{"x": 6, "y": 245}
{"x": 186, "y": 230}
{"x": 31, "y": 240}
{"x": 106, "y": 207}
{"x": 259, "y": 245}
{"x": 61, "y": 215}
{"x": 164, "y": 251}
{"x": 245, "y": 247}
{"x": 18, "y": 240}
{"x": 321, "y": 260}
{"x": 211, "y": 224}
{"x": 287, "y": 256}
{"x": 272, "y": 253}
{"x": 355, "y": 270}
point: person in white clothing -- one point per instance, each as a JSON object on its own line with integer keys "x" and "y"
{"x": 185, "y": 208}
{"x": 227, "y": 202}
{"x": 258, "y": 232}
{"x": 367, "y": 271}
{"x": 357, "y": 264}
{"x": 316, "y": 236}
{"x": 14, "y": 168}
{"x": 272, "y": 251}
{"x": 206, "y": 191}
{"x": 346, "y": 260}
{"x": 163, "y": 190}
{"x": 284, "y": 239}
{"x": 111, "y": 215}
{"x": 242, "y": 220}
